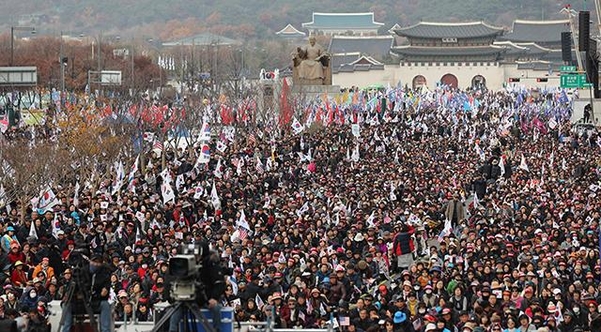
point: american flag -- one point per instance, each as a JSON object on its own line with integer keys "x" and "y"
{"x": 243, "y": 233}
{"x": 158, "y": 145}
{"x": 345, "y": 321}
{"x": 252, "y": 139}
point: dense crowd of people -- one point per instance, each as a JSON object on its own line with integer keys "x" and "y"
{"x": 414, "y": 217}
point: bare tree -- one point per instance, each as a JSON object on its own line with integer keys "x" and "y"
{"x": 29, "y": 167}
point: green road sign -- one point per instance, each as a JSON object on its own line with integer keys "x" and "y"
{"x": 567, "y": 68}
{"x": 572, "y": 80}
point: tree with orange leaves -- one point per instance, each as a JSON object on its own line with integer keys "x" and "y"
{"x": 91, "y": 140}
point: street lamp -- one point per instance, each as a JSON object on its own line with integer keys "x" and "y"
{"x": 12, "y": 39}
{"x": 242, "y": 72}
{"x": 96, "y": 41}
{"x": 62, "y": 63}
{"x": 133, "y": 71}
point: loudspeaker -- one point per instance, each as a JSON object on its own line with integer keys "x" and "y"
{"x": 584, "y": 30}
{"x": 566, "y": 47}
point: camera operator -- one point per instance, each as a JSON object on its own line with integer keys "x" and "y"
{"x": 98, "y": 283}
{"x": 37, "y": 322}
{"x": 212, "y": 279}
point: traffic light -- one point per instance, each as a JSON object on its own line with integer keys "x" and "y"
{"x": 566, "y": 47}
{"x": 542, "y": 79}
{"x": 514, "y": 80}
{"x": 584, "y": 30}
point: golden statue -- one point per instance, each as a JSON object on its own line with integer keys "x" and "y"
{"x": 311, "y": 64}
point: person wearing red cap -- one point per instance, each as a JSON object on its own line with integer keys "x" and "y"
{"x": 15, "y": 254}
{"x": 528, "y": 298}
{"x": 68, "y": 250}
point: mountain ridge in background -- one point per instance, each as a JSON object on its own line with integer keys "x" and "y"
{"x": 251, "y": 19}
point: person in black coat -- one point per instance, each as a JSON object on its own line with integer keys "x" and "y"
{"x": 96, "y": 275}
{"x": 495, "y": 171}
{"x": 486, "y": 169}
{"x": 479, "y": 186}
{"x": 253, "y": 288}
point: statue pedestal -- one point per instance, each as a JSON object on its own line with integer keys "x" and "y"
{"x": 304, "y": 81}
{"x": 313, "y": 90}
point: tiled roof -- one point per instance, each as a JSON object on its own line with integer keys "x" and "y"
{"x": 449, "y": 30}
{"x": 534, "y": 48}
{"x": 537, "y": 65}
{"x": 290, "y": 31}
{"x": 366, "y": 60}
{"x": 354, "y": 62}
{"x": 349, "y": 68}
{"x": 511, "y": 48}
{"x": 375, "y": 46}
{"x": 395, "y": 27}
{"x": 555, "y": 56}
{"x": 522, "y": 48}
{"x": 450, "y": 51}
{"x": 202, "y": 39}
{"x": 537, "y": 31}
{"x": 339, "y": 59}
{"x": 342, "y": 21}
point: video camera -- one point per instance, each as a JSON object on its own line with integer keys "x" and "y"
{"x": 78, "y": 262}
{"x": 186, "y": 272}
{"x": 185, "y": 269}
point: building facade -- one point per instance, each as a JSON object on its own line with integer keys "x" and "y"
{"x": 450, "y": 54}
{"x": 476, "y": 55}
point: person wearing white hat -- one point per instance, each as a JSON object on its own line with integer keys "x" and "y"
{"x": 430, "y": 327}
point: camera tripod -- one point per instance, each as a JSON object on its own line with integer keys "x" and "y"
{"x": 190, "y": 315}
{"x": 80, "y": 284}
